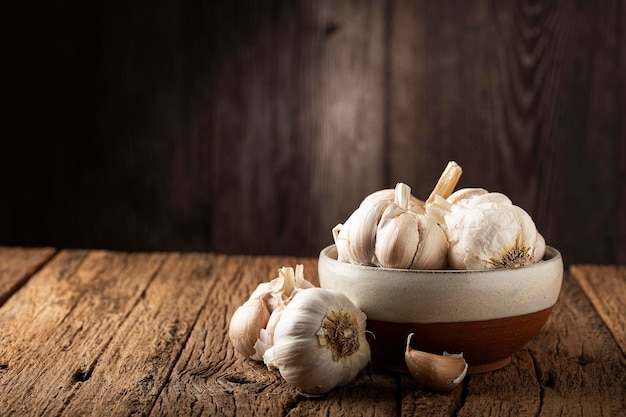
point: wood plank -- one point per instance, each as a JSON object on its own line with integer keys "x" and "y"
{"x": 606, "y": 288}
{"x": 573, "y": 367}
{"x": 17, "y": 265}
{"x": 137, "y": 363}
{"x": 417, "y": 401}
{"x": 56, "y": 329}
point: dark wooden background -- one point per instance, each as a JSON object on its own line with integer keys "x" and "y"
{"x": 256, "y": 126}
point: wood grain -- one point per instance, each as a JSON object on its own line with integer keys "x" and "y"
{"x": 17, "y": 265}
{"x": 100, "y": 332}
{"x": 74, "y": 307}
{"x": 605, "y": 286}
{"x": 254, "y": 127}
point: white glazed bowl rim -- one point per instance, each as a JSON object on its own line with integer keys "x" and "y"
{"x": 430, "y": 296}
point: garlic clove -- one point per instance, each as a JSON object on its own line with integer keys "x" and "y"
{"x": 397, "y": 238}
{"x": 437, "y": 372}
{"x": 357, "y": 236}
{"x": 246, "y": 324}
{"x": 432, "y": 249}
{"x": 266, "y": 335}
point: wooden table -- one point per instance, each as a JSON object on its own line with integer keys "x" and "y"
{"x": 109, "y": 333}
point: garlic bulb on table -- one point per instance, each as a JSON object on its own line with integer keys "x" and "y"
{"x": 486, "y": 230}
{"x": 319, "y": 342}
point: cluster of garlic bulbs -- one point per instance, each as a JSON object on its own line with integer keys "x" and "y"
{"x": 467, "y": 229}
{"x": 314, "y": 337}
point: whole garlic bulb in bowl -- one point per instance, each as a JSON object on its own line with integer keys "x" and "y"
{"x": 486, "y": 230}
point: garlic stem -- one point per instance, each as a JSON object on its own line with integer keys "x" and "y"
{"x": 402, "y": 195}
{"x": 447, "y": 181}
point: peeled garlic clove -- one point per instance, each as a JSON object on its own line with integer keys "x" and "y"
{"x": 437, "y": 372}
{"x": 246, "y": 324}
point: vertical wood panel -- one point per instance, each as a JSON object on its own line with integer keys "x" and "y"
{"x": 308, "y": 86}
{"x": 254, "y": 127}
{"x": 524, "y": 97}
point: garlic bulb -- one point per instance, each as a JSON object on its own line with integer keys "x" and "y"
{"x": 247, "y": 330}
{"x": 319, "y": 342}
{"x": 438, "y": 372}
{"x": 389, "y": 234}
{"x": 486, "y": 230}
{"x": 391, "y": 229}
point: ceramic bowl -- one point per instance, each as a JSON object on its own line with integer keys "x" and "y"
{"x": 487, "y": 315}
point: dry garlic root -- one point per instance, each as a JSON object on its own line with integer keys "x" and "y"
{"x": 437, "y": 372}
{"x": 396, "y": 233}
{"x": 486, "y": 230}
{"x": 315, "y": 337}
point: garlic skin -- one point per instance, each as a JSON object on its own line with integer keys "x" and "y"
{"x": 487, "y": 231}
{"x": 437, "y": 372}
{"x": 251, "y": 327}
{"x": 319, "y": 342}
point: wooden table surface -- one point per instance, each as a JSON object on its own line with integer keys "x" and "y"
{"x": 87, "y": 332}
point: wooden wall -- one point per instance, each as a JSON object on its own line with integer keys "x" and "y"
{"x": 256, "y": 126}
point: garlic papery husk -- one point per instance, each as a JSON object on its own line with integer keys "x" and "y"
{"x": 251, "y": 327}
{"x": 319, "y": 342}
{"x": 281, "y": 288}
{"x": 487, "y": 231}
{"x": 407, "y": 240}
{"x": 246, "y": 324}
{"x": 437, "y": 372}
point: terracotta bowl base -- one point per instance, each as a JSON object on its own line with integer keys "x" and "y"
{"x": 486, "y": 345}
